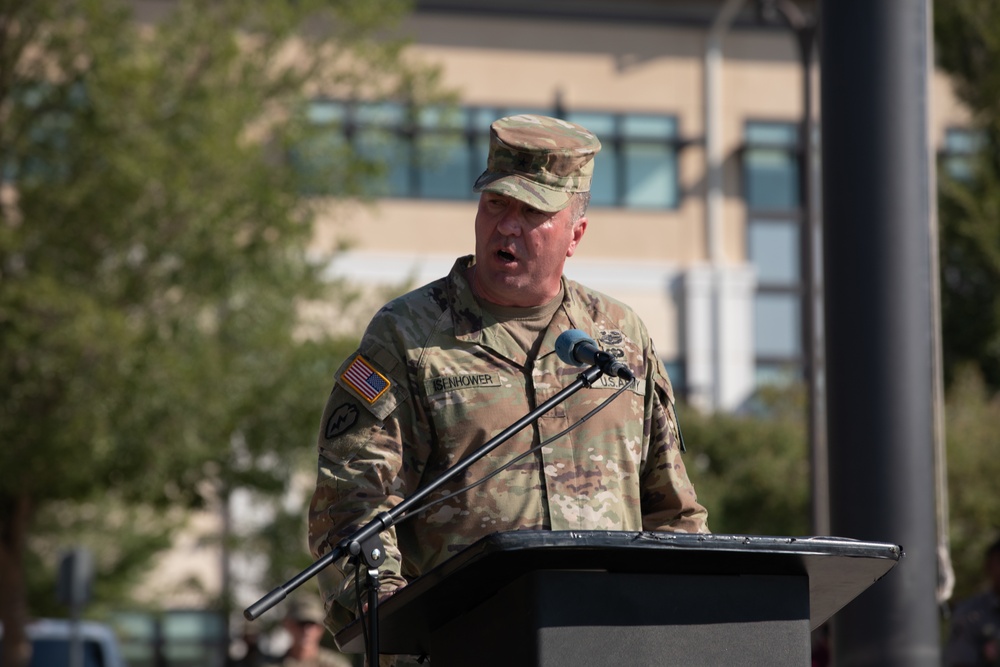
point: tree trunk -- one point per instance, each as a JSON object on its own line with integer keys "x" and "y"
{"x": 15, "y": 515}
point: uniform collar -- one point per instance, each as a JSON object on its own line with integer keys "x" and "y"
{"x": 472, "y": 324}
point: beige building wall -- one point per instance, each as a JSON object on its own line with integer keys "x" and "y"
{"x": 636, "y": 256}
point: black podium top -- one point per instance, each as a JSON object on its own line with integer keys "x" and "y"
{"x": 838, "y": 570}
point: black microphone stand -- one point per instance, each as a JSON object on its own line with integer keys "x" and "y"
{"x": 365, "y": 546}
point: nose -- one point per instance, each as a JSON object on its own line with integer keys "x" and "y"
{"x": 510, "y": 221}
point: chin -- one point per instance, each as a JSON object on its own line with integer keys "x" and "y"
{"x": 512, "y": 292}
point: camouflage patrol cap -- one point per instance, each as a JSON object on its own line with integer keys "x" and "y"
{"x": 306, "y": 609}
{"x": 539, "y": 160}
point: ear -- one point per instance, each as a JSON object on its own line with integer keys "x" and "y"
{"x": 579, "y": 227}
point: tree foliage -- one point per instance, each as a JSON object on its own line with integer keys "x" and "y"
{"x": 973, "y": 412}
{"x": 751, "y": 470}
{"x": 154, "y": 257}
{"x": 967, "y": 40}
{"x": 967, "y": 34}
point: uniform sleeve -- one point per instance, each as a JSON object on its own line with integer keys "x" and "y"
{"x": 669, "y": 501}
{"x": 360, "y": 472}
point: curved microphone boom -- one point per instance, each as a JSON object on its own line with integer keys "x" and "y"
{"x": 576, "y": 348}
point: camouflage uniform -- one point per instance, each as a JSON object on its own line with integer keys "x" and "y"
{"x": 325, "y": 658}
{"x": 436, "y": 376}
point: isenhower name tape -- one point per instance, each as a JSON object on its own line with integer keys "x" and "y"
{"x": 365, "y": 380}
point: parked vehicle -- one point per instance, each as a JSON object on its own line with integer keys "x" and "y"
{"x": 51, "y": 639}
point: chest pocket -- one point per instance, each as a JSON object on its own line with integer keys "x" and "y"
{"x": 467, "y": 407}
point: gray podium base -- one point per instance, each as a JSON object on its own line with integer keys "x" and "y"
{"x": 597, "y": 619}
{"x": 595, "y": 598}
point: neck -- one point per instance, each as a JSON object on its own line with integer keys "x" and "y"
{"x": 304, "y": 652}
{"x": 519, "y": 301}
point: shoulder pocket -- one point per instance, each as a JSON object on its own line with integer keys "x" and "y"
{"x": 372, "y": 383}
{"x": 347, "y": 427}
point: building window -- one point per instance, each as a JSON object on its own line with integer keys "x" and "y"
{"x": 444, "y": 149}
{"x": 770, "y": 166}
{"x": 604, "y": 189}
{"x": 322, "y": 147}
{"x": 440, "y": 153}
{"x": 380, "y": 137}
{"x": 774, "y": 251}
{"x": 958, "y": 157}
{"x": 637, "y": 166}
{"x": 774, "y": 233}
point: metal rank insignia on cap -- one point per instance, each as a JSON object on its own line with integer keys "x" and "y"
{"x": 365, "y": 380}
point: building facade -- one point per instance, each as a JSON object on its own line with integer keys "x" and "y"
{"x": 697, "y": 216}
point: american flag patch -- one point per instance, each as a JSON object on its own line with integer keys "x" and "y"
{"x": 365, "y": 380}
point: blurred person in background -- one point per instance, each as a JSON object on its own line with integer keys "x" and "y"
{"x": 252, "y": 655}
{"x": 304, "y": 624}
{"x": 974, "y": 639}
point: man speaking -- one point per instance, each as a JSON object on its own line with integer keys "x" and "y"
{"x": 443, "y": 369}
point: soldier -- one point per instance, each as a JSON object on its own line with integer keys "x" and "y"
{"x": 304, "y": 623}
{"x": 974, "y": 639}
{"x": 442, "y": 369}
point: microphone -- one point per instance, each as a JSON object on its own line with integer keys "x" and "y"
{"x": 576, "y": 348}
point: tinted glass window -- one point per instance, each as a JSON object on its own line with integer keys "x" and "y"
{"x": 774, "y": 251}
{"x": 771, "y": 188}
{"x": 777, "y": 324}
{"x": 770, "y": 166}
{"x": 440, "y": 155}
{"x": 960, "y": 149}
{"x": 378, "y": 138}
{"x": 443, "y": 153}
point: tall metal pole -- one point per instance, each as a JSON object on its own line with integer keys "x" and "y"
{"x": 878, "y": 203}
{"x": 813, "y": 330}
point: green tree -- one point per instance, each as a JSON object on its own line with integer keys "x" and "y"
{"x": 751, "y": 470}
{"x": 968, "y": 49}
{"x": 967, "y": 40}
{"x": 972, "y": 414}
{"x": 154, "y": 265}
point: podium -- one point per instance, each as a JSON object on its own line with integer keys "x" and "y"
{"x": 595, "y": 598}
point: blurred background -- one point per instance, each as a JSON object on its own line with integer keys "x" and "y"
{"x": 203, "y": 202}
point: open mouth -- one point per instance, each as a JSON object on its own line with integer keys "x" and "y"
{"x": 505, "y": 256}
